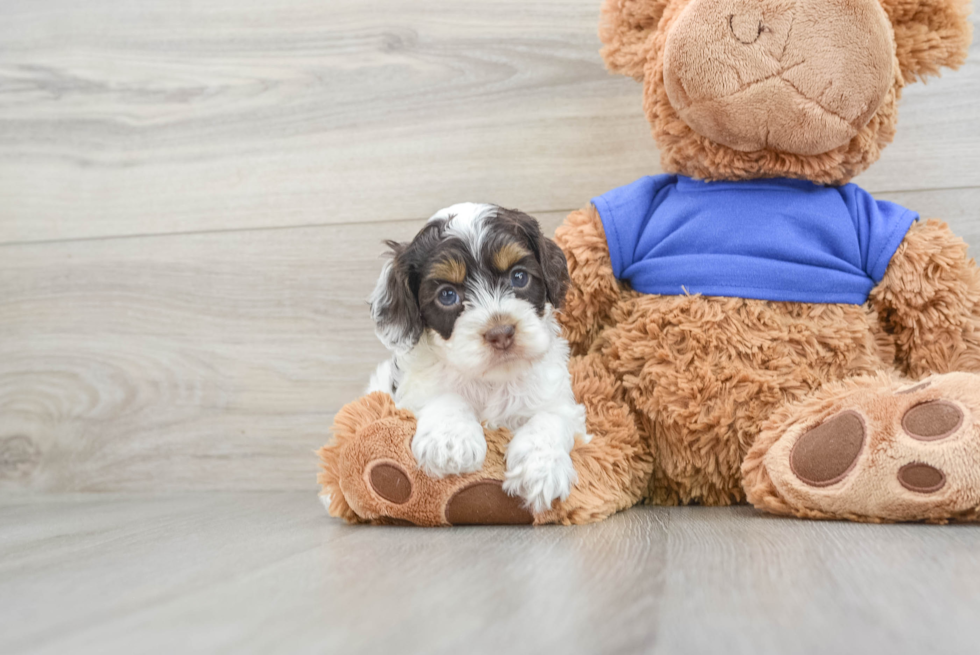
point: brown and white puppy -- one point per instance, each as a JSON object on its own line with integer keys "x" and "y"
{"x": 468, "y": 311}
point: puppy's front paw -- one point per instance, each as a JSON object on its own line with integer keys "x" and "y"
{"x": 539, "y": 475}
{"x": 448, "y": 446}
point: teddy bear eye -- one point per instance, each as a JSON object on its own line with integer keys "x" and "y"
{"x": 519, "y": 278}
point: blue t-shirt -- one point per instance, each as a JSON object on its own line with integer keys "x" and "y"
{"x": 775, "y": 239}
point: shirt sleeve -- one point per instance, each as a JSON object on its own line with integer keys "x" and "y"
{"x": 881, "y": 227}
{"x": 624, "y": 213}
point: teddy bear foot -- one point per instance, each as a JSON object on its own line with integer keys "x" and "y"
{"x": 874, "y": 449}
{"x": 479, "y": 501}
{"x": 369, "y": 475}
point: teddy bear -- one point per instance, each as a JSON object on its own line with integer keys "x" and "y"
{"x": 749, "y": 325}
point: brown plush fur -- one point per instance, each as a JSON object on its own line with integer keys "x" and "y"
{"x": 697, "y": 399}
{"x": 593, "y": 289}
{"x": 929, "y": 35}
{"x": 928, "y": 302}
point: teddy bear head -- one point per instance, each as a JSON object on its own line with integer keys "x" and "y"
{"x": 738, "y": 89}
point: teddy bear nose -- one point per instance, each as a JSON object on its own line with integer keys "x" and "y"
{"x": 746, "y": 26}
{"x": 500, "y": 337}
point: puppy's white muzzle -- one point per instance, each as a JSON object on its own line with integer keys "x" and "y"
{"x": 496, "y": 336}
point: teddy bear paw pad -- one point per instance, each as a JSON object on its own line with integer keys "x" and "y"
{"x": 933, "y": 420}
{"x": 485, "y": 503}
{"x": 828, "y": 452}
{"x": 921, "y": 478}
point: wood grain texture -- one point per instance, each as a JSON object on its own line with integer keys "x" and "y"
{"x": 766, "y": 585}
{"x": 159, "y": 117}
{"x": 154, "y": 118}
{"x": 267, "y": 572}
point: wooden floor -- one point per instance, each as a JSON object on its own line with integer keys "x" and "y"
{"x": 192, "y": 200}
{"x": 265, "y": 572}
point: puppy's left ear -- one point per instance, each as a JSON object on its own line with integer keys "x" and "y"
{"x": 394, "y": 306}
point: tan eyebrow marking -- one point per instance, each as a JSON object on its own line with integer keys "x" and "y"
{"x": 450, "y": 270}
{"x": 508, "y": 255}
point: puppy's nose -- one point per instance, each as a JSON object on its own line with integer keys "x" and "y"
{"x": 500, "y": 337}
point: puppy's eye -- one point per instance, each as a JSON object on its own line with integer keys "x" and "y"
{"x": 448, "y": 297}
{"x": 519, "y": 278}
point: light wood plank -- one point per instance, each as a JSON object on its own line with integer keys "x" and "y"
{"x": 256, "y": 573}
{"x": 769, "y": 585}
{"x": 159, "y": 117}
{"x": 263, "y": 573}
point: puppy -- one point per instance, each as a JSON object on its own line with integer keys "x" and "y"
{"x": 468, "y": 311}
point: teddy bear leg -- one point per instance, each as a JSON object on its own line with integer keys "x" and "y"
{"x": 873, "y": 448}
{"x": 369, "y": 475}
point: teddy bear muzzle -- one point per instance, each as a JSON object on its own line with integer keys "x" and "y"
{"x": 794, "y": 76}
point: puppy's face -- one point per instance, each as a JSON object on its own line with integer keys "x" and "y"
{"x": 479, "y": 284}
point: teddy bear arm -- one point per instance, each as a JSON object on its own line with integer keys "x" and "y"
{"x": 929, "y": 302}
{"x": 594, "y": 289}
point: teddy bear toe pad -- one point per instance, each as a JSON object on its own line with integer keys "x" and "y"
{"x": 932, "y": 420}
{"x": 886, "y": 454}
{"x": 390, "y": 481}
{"x": 921, "y": 478}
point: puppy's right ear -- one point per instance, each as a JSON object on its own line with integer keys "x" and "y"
{"x": 394, "y": 307}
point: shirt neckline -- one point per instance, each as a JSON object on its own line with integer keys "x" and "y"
{"x": 685, "y": 183}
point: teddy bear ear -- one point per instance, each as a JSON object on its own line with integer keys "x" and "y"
{"x": 929, "y": 34}
{"x": 625, "y": 28}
